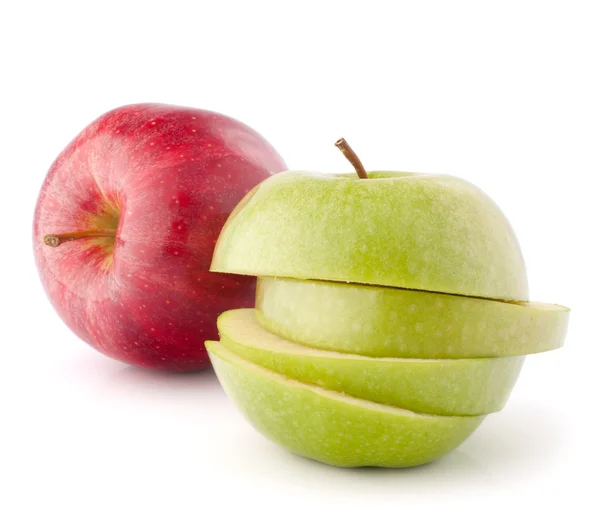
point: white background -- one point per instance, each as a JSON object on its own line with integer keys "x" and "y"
{"x": 504, "y": 94}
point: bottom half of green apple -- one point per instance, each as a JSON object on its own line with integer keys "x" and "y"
{"x": 389, "y": 322}
{"x": 439, "y": 387}
{"x": 332, "y": 427}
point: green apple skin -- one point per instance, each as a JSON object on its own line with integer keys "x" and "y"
{"x": 419, "y": 231}
{"x": 455, "y": 387}
{"x": 389, "y": 322}
{"x": 331, "y": 427}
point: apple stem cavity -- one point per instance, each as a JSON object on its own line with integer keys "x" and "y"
{"x": 352, "y": 157}
{"x": 56, "y": 239}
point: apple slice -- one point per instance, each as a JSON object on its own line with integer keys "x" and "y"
{"x": 388, "y": 322}
{"x": 441, "y": 387}
{"x": 417, "y": 231}
{"x": 331, "y": 427}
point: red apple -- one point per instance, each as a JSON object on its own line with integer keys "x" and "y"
{"x": 126, "y": 223}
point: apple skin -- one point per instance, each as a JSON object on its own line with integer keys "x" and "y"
{"x": 332, "y": 427}
{"x": 417, "y": 231}
{"x": 454, "y": 387}
{"x": 166, "y": 178}
{"x": 388, "y": 322}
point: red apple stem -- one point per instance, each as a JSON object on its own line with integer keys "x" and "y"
{"x": 56, "y": 239}
{"x": 351, "y": 156}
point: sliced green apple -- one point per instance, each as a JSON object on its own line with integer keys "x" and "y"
{"x": 418, "y": 231}
{"x": 440, "y": 387}
{"x": 389, "y": 322}
{"x": 331, "y": 427}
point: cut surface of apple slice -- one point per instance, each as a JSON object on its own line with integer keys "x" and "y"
{"x": 418, "y": 231}
{"x": 388, "y": 322}
{"x": 440, "y": 387}
{"x": 331, "y": 427}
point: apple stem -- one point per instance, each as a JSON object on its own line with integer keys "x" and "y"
{"x": 54, "y": 240}
{"x": 349, "y": 153}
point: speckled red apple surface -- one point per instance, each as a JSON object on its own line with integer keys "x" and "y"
{"x": 125, "y": 226}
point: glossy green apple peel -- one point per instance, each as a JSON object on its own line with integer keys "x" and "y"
{"x": 438, "y": 387}
{"x": 331, "y": 427}
{"x": 417, "y": 231}
{"x": 388, "y": 322}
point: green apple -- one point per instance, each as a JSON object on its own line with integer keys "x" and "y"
{"x": 392, "y": 313}
{"x": 418, "y": 231}
{"x": 439, "y": 387}
{"x": 332, "y": 427}
{"x": 389, "y": 322}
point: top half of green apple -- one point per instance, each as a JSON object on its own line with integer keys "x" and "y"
{"x": 417, "y": 231}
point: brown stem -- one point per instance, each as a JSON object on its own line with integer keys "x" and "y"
{"x": 343, "y": 146}
{"x": 55, "y": 240}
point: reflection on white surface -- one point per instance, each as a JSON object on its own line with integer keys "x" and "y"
{"x": 83, "y": 428}
{"x": 108, "y": 433}
{"x": 522, "y": 436}
{"x": 519, "y": 441}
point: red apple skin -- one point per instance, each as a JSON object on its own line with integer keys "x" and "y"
{"x": 169, "y": 176}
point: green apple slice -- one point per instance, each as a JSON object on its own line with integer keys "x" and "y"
{"x": 331, "y": 427}
{"x": 418, "y": 231}
{"x": 388, "y": 322}
{"x": 441, "y": 387}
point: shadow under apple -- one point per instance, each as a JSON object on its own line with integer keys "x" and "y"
{"x": 507, "y": 448}
{"x": 111, "y": 380}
